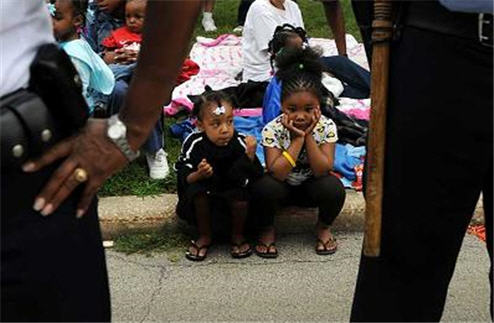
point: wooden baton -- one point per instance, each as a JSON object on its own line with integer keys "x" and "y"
{"x": 381, "y": 35}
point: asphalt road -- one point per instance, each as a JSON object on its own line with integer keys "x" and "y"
{"x": 297, "y": 286}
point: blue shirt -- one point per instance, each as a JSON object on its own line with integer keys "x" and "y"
{"x": 271, "y": 105}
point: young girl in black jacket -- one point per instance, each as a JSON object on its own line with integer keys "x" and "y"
{"x": 215, "y": 168}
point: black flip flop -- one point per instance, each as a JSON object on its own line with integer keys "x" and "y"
{"x": 326, "y": 251}
{"x": 196, "y": 257}
{"x": 266, "y": 254}
{"x": 239, "y": 255}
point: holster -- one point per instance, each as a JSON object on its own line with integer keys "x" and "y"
{"x": 52, "y": 108}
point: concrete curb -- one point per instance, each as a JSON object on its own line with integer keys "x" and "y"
{"x": 125, "y": 214}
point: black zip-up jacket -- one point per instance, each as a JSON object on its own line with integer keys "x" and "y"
{"x": 231, "y": 166}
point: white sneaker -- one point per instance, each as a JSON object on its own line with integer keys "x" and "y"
{"x": 158, "y": 165}
{"x": 208, "y": 24}
{"x": 238, "y": 30}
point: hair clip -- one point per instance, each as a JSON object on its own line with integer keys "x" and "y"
{"x": 51, "y": 9}
{"x": 301, "y": 66}
{"x": 219, "y": 111}
{"x": 304, "y": 45}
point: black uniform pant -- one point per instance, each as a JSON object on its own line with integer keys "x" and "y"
{"x": 327, "y": 193}
{"x": 439, "y": 158}
{"x": 52, "y": 268}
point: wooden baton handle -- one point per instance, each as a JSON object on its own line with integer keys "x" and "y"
{"x": 381, "y": 36}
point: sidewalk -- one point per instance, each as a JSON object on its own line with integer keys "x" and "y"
{"x": 125, "y": 214}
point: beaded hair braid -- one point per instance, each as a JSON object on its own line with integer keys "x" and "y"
{"x": 301, "y": 83}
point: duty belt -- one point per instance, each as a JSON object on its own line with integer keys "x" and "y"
{"x": 430, "y": 15}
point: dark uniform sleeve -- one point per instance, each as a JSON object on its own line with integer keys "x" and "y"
{"x": 244, "y": 171}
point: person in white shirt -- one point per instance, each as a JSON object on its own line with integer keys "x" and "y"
{"x": 262, "y": 19}
{"x": 25, "y": 36}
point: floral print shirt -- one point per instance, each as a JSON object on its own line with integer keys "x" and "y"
{"x": 275, "y": 135}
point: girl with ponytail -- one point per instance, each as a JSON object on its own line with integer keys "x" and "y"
{"x": 299, "y": 148}
{"x": 215, "y": 169}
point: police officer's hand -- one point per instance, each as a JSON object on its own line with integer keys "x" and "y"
{"x": 91, "y": 151}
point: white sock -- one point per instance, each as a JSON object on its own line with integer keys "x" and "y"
{"x": 207, "y": 15}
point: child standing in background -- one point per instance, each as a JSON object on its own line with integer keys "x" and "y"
{"x": 215, "y": 169}
{"x": 68, "y": 21}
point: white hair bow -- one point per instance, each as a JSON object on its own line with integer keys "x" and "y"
{"x": 219, "y": 111}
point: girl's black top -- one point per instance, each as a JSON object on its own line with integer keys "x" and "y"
{"x": 231, "y": 166}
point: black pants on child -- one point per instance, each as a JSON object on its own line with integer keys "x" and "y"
{"x": 326, "y": 192}
{"x": 219, "y": 205}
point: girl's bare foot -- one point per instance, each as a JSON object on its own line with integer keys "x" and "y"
{"x": 326, "y": 242}
{"x": 240, "y": 247}
{"x": 198, "y": 250}
{"x": 266, "y": 245}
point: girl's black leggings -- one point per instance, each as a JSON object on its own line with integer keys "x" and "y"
{"x": 327, "y": 193}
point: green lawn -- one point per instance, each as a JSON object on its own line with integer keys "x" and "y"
{"x": 171, "y": 239}
{"x": 225, "y": 17}
{"x": 134, "y": 179}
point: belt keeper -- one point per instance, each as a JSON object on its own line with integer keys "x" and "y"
{"x": 289, "y": 158}
{"x": 484, "y": 40}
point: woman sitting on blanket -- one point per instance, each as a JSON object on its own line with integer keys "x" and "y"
{"x": 341, "y": 76}
{"x": 214, "y": 171}
{"x": 299, "y": 148}
{"x": 261, "y": 21}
